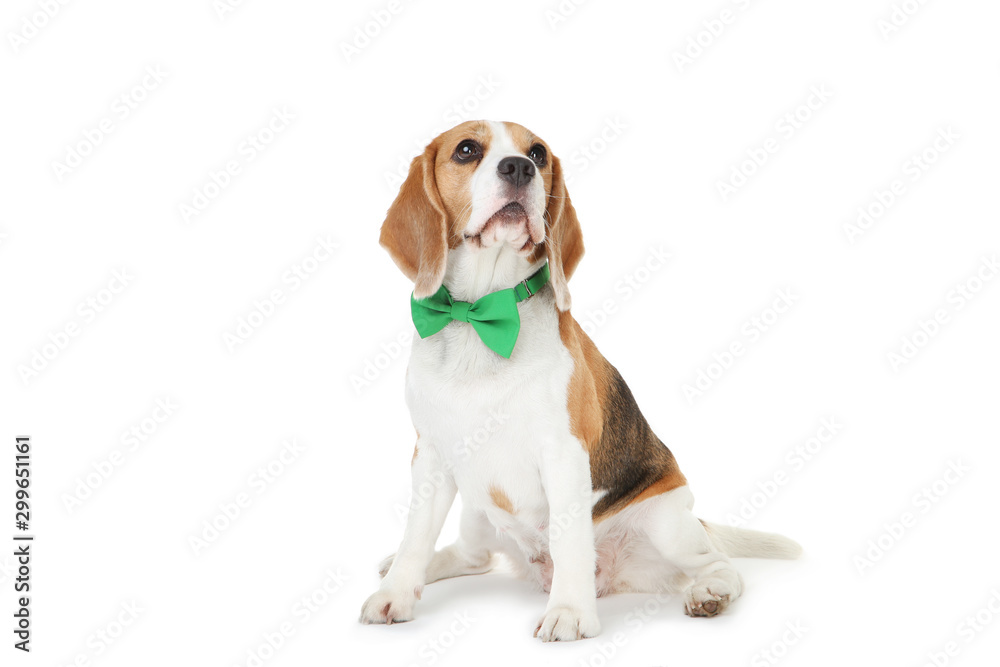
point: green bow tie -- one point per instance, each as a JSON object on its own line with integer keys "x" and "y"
{"x": 494, "y": 317}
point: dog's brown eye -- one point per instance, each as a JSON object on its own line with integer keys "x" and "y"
{"x": 468, "y": 150}
{"x": 538, "y": 154}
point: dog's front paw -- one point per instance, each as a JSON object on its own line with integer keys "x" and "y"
{"x": 566, "y": 624}
{"x": 388, "y": 607}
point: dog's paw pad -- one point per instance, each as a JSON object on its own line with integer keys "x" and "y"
{"x": 704, "y": 603}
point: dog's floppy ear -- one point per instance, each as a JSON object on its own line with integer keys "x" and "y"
{"x": 563, "y": 237}
{"x": 415, "y": 231}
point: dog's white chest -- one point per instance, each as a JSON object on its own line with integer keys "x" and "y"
{"x": 490, "y": 420}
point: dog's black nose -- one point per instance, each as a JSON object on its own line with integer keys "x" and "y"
{"x": 517, "y": 171}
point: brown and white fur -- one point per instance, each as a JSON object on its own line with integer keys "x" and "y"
{"x": 571, "y": 485}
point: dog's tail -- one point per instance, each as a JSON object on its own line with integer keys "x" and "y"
{"x": 745, "y": 543}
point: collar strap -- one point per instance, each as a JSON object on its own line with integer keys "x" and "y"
{"x": 530, "y": 285}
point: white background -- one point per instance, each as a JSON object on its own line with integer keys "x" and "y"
{"x": 647, "y": 139}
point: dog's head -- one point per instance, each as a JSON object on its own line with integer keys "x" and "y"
{"x": 479, "y": 185}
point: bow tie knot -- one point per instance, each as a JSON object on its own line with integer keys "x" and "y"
{"x": 460, "y": 310}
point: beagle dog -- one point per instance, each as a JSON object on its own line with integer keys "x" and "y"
{"x": 557, "y": 467}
